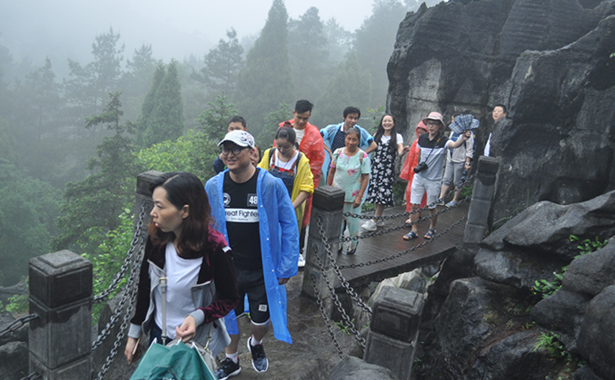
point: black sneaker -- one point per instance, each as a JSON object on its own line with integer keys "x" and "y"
{"x": 227, "y": 369}
{"x": 259, "y": 360}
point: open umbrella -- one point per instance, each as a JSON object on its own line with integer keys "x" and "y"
{"x": 463, "y": 123}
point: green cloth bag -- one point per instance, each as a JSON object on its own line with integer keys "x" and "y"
{"x": 178, "y": 362}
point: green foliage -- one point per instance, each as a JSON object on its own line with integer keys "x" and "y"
{"x": 265, "y": 81}
{"x": 222, "y": 66}
{"x": 18, "y": 304}
{"x": 28, "y": 208}
{"x": 546, "y": 287}
{"x": 550, "y": 342}
{"x": 588, "y": 246}
{"x": 194, "y": 153}
{"x": 349, "y": 86}
{"x": 166, "y": 119}
{"x": 109, "y": 260}
{"x": 265, "y": 138}
{"x": 214, "y": 120}
{"x": 92, "y": 205}
{"x": 88, "y": 86}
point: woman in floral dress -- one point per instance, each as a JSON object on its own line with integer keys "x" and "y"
{"x": 390, "y": 143}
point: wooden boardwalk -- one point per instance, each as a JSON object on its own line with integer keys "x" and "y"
{"x": 381, "y": 247}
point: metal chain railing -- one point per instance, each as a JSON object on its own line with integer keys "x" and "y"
{"x": 406, "y": 214}
{"x": 130, "y": 294}
{"x": 399, "y": 254}
{"x": 17, "y": 324}
{"x": 133, "y": 244}
{"x": 405, "y": 225}
{"x": 337, "y": 270}
{"x": 139, "y": 242}
{"x": 325, "y": 317}
{"x": 347, "y": 321}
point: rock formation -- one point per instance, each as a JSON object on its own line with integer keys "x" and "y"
{"x": 548, "y": 61}
{"x": 476, "y": 323}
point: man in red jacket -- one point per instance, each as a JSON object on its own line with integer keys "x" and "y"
{"x": 311, "y": 144}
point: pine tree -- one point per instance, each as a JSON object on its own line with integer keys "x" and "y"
{"x": 149, "y": 103}
{"x": 222, "y": 66}
{"x": 162, "y": 109}
{"x": 307, "y": 45}
{"x": 91, "y": 206}
{"x": 214, "y": 120}
{"x": 88, "y": 86}
{"x": 166, "y": 121}
{"x": 349, "y": 87}
{"x": 265, "y": 81}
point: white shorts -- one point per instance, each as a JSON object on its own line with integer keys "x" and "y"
{"x": 421, "y": 185}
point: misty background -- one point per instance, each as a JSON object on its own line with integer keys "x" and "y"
{"x": 93, "y": 93}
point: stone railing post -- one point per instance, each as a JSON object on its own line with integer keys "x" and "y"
{"x": 327, "y": 206}
{"x": 394, "y": 329}
{"x": 61, "y": 295}
{"x": 482, "y": 196}
{"x": 143, "y": 195}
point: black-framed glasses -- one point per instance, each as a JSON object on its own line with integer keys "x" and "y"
{"x": 236, "y": 150}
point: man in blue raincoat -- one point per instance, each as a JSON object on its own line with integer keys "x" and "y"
{"x": 254, "y": 212}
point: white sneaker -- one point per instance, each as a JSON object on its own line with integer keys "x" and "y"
{"x": 370, "y": 225}
{"x": 301, "y": 260}
{"x": 380, "y": 223}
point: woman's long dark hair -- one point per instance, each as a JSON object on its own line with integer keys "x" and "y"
{"x": 184, "y": 189}
{"x": 380, "y": 133}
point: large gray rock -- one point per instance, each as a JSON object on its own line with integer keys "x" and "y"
{"x": 590, "y": 274}
{"x": 514, "y": 269}
{"x": 597, "y": 334}
{"x": 460, "y": 327}
{"x": 562, "y": 311}
{"x": 513, "y": 357}
{"x": 560, "y": 145}
{"x": 351, "y": 368}
{"x": 460, "y": 54}
{"x": 544, "y": 227}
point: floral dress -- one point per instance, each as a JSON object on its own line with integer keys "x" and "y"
{"x": 348, "y": 170}
{"x": 383, "y": 170}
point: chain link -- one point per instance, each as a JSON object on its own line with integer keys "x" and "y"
{"x": 347, "y": 321}
{"x": 396, "y": 228}
{"x": 399, "y": 254}
{"x": 338, "y": 272}
{"x": 406, "y": 214}
{"x": 130, "y": 294}
{"x": 325, "y": 317}
{"x": 17, "y": 324}
{"x": 133, "y": 244}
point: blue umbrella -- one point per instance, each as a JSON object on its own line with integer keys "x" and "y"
{"x": 463, "y": 123}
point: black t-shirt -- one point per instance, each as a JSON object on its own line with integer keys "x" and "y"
{"x": 241, "y": 208}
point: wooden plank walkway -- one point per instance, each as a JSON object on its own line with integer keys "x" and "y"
{"x": 380, "y": 247}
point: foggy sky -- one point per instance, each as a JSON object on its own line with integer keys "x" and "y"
{"x": 62, "y": 29}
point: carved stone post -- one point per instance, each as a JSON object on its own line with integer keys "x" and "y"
{"x": 482, "y": 195}
{"x": 61, "y": 337}
{"x": 327, "y": 206}
{"x": 393, "y": 331}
